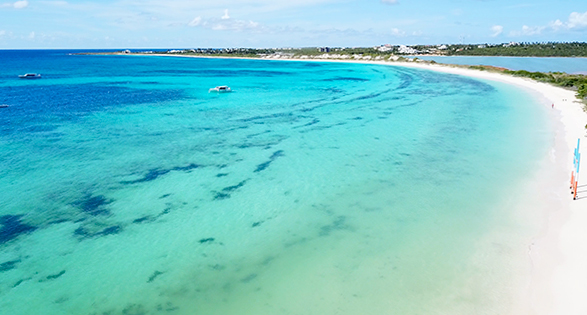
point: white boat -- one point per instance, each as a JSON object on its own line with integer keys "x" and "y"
{"x": 30, "y": 76}
{"x": 3, "y": 106}
{"x": 220, "y": 89}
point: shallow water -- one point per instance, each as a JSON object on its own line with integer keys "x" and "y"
{"x": 312, "y": 188}
{"x": 542, "y": 64}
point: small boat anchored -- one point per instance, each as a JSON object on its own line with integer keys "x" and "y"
{"x": 30, "y": 76}
{"x": 220, "y": 89}
{"x": 3, "y": 106}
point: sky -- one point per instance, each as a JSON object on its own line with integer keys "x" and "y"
{"x": 108, "y": 24}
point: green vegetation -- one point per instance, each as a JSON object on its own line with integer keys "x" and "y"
{"x": 226, "y": 52}
{"x": 550, "y": 49}
{"x": 582, "y": 91}
{"x": 574, "y": 49}
{"x": 576, "y": 82}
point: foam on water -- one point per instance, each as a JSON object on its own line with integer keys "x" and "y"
{"x": 313, "y": 188}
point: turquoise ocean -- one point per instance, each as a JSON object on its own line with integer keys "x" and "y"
{"x": 312, "y": 188}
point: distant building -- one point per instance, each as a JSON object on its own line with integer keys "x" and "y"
{"x": 324, "y": 49}
{"x": 384, "y": 48}
{"x": 403, "y": 49}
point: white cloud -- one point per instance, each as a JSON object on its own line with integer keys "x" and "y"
{"x": 577, "y": 20}
{"x": 228, "y": 24}
{"x": 532, "y": 30}
{"x": 32, "y": 35}
{"x": 225, "y": 16}
{"x": 528, "y": 31}
{"x": 16, "y": 5}
{"x": 397, "y": 32}
{"x": 496, "y": 30}
{"x": 6, "y": 34}
{"x": 389, "y": 1}
{"x": 196, "y": 21}
{"x": 556, "y": 25}
{"x": 233, "y": 25}
{"x": 20, "y": 4}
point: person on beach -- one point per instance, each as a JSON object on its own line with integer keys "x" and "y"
{"x": 552, "y": 105}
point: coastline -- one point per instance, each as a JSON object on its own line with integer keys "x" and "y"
{"x": 558, "y": 254}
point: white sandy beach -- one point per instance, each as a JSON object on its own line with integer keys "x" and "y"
{"x": 557, "y": 257}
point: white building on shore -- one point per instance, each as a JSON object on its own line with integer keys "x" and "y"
{"x": 403, "y": 49}
{"x": 384, "y": 48}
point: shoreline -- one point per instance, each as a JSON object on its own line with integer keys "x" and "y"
{"x": 557, "y": 255}
{"x": 497, "y": 56}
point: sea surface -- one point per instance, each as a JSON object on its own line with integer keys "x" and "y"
{"x": 312, "y": 188}
{"x": 535, "y": 64}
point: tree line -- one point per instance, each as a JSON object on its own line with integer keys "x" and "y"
{"x": 549, "y": 49}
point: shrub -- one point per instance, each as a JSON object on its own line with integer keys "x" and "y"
{"x": 582, "y": 91}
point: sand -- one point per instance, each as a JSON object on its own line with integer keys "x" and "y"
{"x": 557, "y": 256}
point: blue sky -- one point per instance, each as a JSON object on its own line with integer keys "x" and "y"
{"x": 278, "y": 23}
